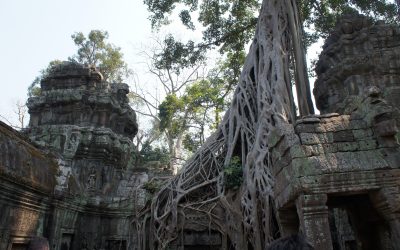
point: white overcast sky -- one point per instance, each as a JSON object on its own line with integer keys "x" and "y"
{"x": 34, "y": 32}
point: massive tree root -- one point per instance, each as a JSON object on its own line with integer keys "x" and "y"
{"x": 262, "y": 103}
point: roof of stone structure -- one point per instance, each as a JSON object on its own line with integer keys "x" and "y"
{"x": 19, "y": 160}
{"x": 358, "y": 54}
{"x": 75, "y": 94}
{"x": 70, "y": 69}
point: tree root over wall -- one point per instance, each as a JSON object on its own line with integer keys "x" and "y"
{"x": 262, "y": 104}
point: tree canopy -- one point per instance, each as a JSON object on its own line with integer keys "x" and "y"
{"x": 229, "y": 181}
{"x": 230, "y": 24}
{"x": 91, "y": 50}
{"x": 95, "y": 50}
{"x": 191, "y": 99}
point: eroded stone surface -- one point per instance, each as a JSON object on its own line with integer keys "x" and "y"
{"x": 74, "y": 180}
{"x": 343, "y": 171}
{"x": 76, "y": 95}
{"x": 358, "y": 55}
{"x": 336, "y": 175}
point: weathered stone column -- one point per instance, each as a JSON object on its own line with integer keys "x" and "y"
{"x": 313, "y": 217}
{"x": 387, "y": 202}
{"x": 289, "y": 222}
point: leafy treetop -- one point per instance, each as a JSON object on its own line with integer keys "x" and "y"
{"x": 92, "y": 50}
{"x": 229, "y": 24}
{"x": 34, "y": 87}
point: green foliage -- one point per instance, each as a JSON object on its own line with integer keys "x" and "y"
{"x": 207, "y": 98}
{"x": 230, "y": 24}
{"x": 149, "y": 153}
{"x": 191, "y": 113}
{"x": 319, "y": 17}
{"x": 191, "y": 102}
{"x": 170, "y": 115}
{"x": 233, "y": 174}
{"x": 203, "y": 93}
{"x": 227, "y": 72}
{"x": 152, "y": 186}
{"x": 34, "y": 87}
{"x": 94, "y": 50}
{"x": 192, "y": 141}
{"x": 89, "y": 48}
{"x": 177, "y": 55}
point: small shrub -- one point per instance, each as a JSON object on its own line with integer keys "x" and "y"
{"x": 152, "y": 186}
{"x": 149, "y": 153}
{"x": 233, "y": 174}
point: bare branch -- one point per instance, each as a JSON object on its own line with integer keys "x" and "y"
{"x": 21, "y": 111}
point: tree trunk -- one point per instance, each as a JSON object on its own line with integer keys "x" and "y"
{"x": 261, "y": 104}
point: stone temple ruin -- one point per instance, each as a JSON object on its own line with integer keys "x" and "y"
{"x": 334, "y": 177}
{"x": 70, "y": 177}
{"x": 338, "y": 174}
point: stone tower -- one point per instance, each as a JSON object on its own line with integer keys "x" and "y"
{"x": 72, "y": 183}
{"x": 338, "y": 183}
{"x": 89, "y": 123}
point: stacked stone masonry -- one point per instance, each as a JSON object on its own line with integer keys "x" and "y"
{"x": 70, "y": 177}
{"x": 337, "y": 177}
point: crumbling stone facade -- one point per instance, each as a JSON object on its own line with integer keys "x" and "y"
{"x": 71, "y": 179}
{"x": 27, "y": 181}
{"x": 335, "y": 176}
{"x": 339, "y": 169}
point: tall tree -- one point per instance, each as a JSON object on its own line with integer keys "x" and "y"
{"x": 91, "y": 50}
{"x": 229, "y": 24}
{"x": 242, "y": 142}
{"x": 95, "y": 50}
{"x": 186, "y": 119}
{"x": 185, "y": 97}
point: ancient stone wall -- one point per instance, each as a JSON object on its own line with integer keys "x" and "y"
{"x": 90, "y": 124}
{"x": 76, "y": 95}
{"x": 27, "y": 181}
{"x": 81, "y": 190}
{"x": 333, "y": 178}
{"x": 337, "y": 175}
{"x": 358, "y": 54}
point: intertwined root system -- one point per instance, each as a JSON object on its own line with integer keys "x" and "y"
{"x": 262, "y": 104}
